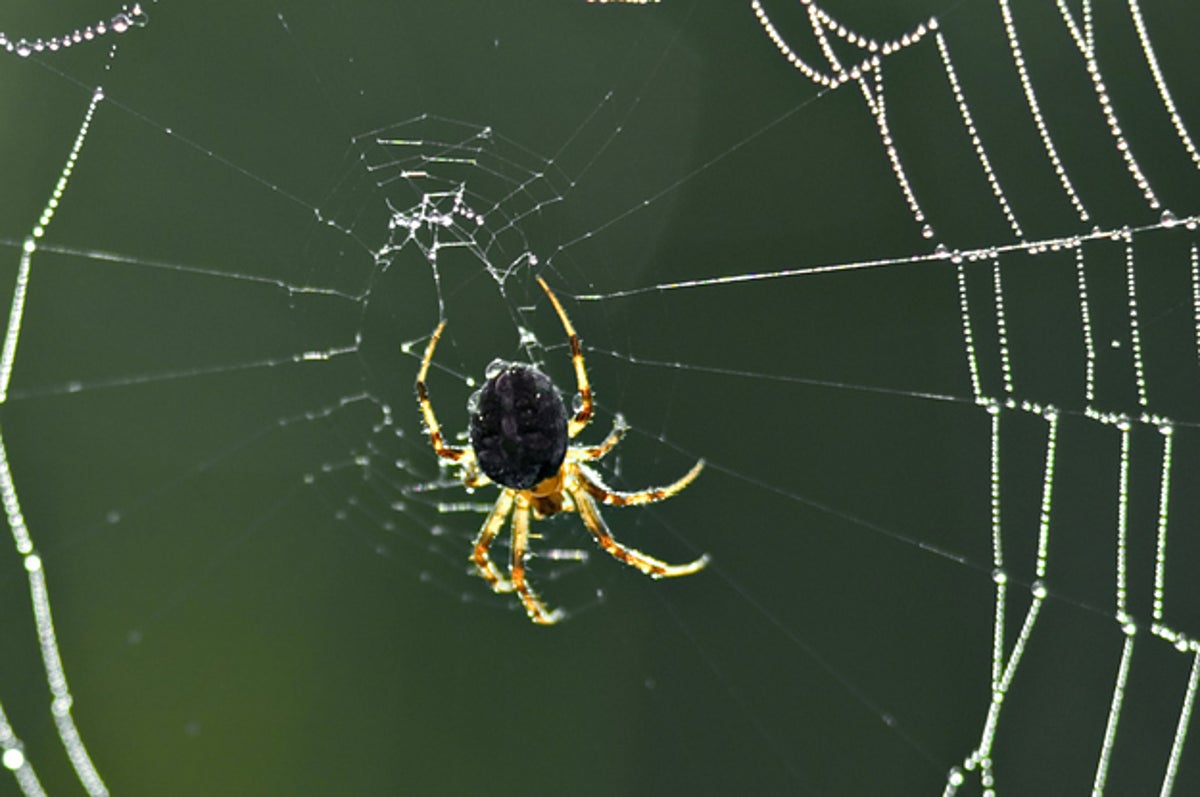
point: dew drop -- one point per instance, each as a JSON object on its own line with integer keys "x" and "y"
{"x": 13, "y": 759}
{"x": 494, "y": 368}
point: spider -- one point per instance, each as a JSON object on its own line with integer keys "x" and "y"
{"x": 519, "y": 439}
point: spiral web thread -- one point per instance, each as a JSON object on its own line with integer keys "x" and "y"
{"x": 1009, "y": 398}
{"x": 13, "y": 756}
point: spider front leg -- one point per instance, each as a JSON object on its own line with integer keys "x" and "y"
{"x": 452, "y": 453}
{"x": 655, "y": 568}
{"x": 487, "y": 534}
{"x": 583, "y": 414}
{"x": 520, "y": 544}
{"x": 590, "y": 481}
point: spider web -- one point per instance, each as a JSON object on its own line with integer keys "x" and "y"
{"x": 920, "y": 282}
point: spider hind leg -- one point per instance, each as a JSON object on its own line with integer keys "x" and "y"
{"x": 583, "y": 411}
{"x": 440, "y": 447}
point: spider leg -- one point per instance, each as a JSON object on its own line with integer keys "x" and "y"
{"x": 471, "y": 475}
{"x": 520, "y": 543}
{"x": 452, "y": 453}
{"x": 655, "y": 568}
{"x": 487, "y": 534}
{"x": 586, "y": 453}
{"x": 590, "y": 481}
{"x": 583, "y": 413}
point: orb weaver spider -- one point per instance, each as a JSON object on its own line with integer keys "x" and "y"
{"x": 519, "y": 439}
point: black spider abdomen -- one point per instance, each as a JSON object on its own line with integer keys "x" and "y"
{"x": 518, "y": 426}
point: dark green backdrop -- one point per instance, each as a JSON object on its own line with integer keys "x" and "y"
{"x": 231, "y": 627}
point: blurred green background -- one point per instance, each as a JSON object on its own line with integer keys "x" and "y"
{"x": 255, "y": 591}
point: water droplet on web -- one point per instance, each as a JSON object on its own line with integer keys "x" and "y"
{"x": 1168, "y": 219}
{"x": 13, "y": 759}
{"x": 927, "y": 231}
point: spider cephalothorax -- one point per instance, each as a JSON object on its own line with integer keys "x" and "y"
{"x": 520, "y": 433}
